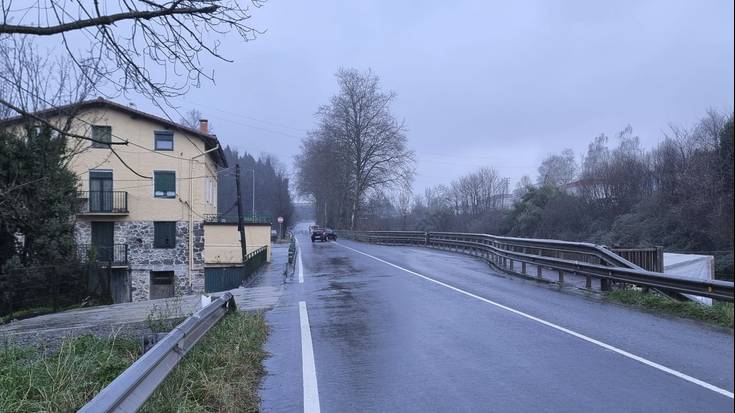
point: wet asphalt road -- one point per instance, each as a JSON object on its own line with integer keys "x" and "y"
{"x": 386, "y": 340}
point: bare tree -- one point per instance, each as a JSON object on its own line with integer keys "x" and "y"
{"x": 368, "y": 140}
{"x": 402, "y": 202}
{"x": 522, "y": 187}
{"x": 192, "y": 118}
{"x": 31, "y": 80}
{"x": 127, "y": 39}
{"x": 558, "y": 170}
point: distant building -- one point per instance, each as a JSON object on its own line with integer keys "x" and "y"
{"x": 144, "y": 208}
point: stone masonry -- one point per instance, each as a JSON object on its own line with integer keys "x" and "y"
{"x": 144, "y": 258}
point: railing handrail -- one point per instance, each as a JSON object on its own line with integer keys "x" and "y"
{"x": 617, "y": 268}
{"x": 578, "y": 247}
{"x": 116, "y": 249}
{"x": 232, "y": 219}
{"x": 256, "y": 252}
{"x": 129, "y": 391}
{"x": 103, "y": 191}
{"x": 104, "y": 201}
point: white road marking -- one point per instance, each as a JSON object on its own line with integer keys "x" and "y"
{"x": 299, "y": 262}
{"x": 562, "y": 329}
{"x": 311, "y": 391}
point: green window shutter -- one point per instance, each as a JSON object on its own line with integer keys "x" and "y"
{"x": 164, "y": 185}
{"x": 164, "y": 234}
{"x": 103, "y": 134}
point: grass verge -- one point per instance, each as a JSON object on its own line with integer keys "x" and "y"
{"x": 720, "y": 313}
{"x": 33, "y": 381}
{"x": 222, "y": 373}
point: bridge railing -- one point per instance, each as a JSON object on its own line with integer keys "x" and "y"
{"x": 516, "y": 254}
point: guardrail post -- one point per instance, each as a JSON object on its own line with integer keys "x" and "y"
{"x": 604, "y": 284}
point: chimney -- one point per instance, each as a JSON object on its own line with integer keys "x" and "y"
{"x": 204, "y": 126}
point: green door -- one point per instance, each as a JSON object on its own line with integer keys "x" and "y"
{"x": 103, "y": 240}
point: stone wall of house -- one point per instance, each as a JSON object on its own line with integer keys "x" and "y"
{"x": 83, "y": 232}
{"x": 144, "y": 258}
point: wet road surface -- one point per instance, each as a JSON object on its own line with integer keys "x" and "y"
{"x": 415, "y": 330}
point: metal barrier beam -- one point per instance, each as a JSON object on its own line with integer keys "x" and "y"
{"x": 594, "y": 260}
{"x": 134, "y": 386}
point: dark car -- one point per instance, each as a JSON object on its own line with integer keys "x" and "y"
{"x": 323, "y": 234}
{"x": 318, "y": 234}
{"x": 331, "y": 235}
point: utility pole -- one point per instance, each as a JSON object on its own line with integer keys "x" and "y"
{"x": 240, "y": 224}
{"x": 253, "y": 194}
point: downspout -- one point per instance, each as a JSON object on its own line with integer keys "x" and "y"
{"x": 191, "y": 215}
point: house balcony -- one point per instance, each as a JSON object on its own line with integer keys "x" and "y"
{"x": 115, "y": 255}
{"x": 103, "y": 203}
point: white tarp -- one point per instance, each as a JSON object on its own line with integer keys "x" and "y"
{"x": 700, "y": 267}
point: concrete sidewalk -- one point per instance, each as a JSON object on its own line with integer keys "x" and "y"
{"x": 132, "y": 316}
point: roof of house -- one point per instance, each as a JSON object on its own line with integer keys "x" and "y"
{"x": 210, "y": 141}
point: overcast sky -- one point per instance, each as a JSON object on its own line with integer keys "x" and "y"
{"x": 479, "y": 83}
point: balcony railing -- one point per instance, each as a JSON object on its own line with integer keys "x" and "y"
{"x": 232, "y": 219}
{"x": 103, "y": 202}
{"x": 115, "y": 255}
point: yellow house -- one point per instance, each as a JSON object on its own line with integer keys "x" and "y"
{"x": 145, "y": 199}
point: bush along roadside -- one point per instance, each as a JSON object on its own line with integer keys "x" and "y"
{"x": 221, "y": 373}
{"x": 720, "y": 313}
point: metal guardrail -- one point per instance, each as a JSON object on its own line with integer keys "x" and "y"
{"x": 651, "y": 259}
{"x": 589, "y": 260}
{"x": 134, "y": 386}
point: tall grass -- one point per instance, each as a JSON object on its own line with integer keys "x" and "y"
{"x": 33, "y": 381}
{"x": 720, "y": 313}
{"x": 221, "y": 374}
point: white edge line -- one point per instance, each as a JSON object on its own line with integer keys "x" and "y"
{"x": 311, "y": 390}
{"x": 606, "y": 346}
{"x": 299, "y": 262}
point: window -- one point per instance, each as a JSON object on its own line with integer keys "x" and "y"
{"x": 164, "y": 140}
{"x": 210, "y": 191}
{"x": 164, "y": 234}
{"x": 164, "y": 185}
{"x": 162, "y": 284}
{"x": 101, "y": 134}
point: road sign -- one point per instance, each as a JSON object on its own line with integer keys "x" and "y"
{"x": 280, "y": 220}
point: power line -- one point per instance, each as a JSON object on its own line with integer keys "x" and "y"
{"x": 280, "y": 125}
